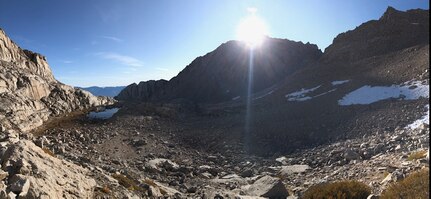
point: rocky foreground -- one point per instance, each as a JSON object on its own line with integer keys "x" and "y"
{"x": 148, "y": 152}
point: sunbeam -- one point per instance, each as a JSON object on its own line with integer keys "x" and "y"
{"x": 248, "y": 114}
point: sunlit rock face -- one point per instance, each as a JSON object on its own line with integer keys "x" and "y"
{"x": 29, "y": 93}
{"x": 223, "y": 73}
{"x": 54, "y": 178}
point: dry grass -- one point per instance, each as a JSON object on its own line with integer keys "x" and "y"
{"x": 338, "y": 190}
{"x": 150, "y": 182}
{"x": 414, "y": 186}
{"x": 417, "y": 155}
{"x": 153, "y": 184}
{"x": 60, "y": 121}
{"x": 49, "y": 152}
{"x": 106, "y": 189}
{"x": 127, "y": 182}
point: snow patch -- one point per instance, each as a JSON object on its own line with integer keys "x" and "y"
{"x": 369, "y": 94}
{"x": 281, "y": 159}
{"x": 236, "y": 98}
{"x": 300, "y": 95}
{"x": 264, "y": 95}
{"x": 425, "y": 119}
{"x": 330, "y": 91}
{"x": 339, "y": 82}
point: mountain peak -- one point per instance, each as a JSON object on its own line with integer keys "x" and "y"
{"x": 391, "y": 13}
{"x": 222, "y": 74}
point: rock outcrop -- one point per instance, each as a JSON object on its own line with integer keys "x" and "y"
{"x": 29, "y": 93}
{"x": 33, "y": 173}
{"x": 223, "y": 73}
{"x": 268, "y": 187}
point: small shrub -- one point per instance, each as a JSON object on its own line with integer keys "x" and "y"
{"x": 106, "y": 189}
{"x": 417, "y": 155}
{"x": 414, "y": 186}
{"x": 127, "y": 182}
{"x": 338, "y": 190}
{"x": 150, "y": 182}
{"x": 49, "y": 152}
{"x": 153, "y": 184}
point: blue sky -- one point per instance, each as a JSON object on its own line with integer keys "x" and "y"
{"x": 118, "y": 42}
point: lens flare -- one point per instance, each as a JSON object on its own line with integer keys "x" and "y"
{"x": 252, "y": 31}
{"x": 248, "y": 111}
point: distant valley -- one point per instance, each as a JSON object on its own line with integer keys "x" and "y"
{"x": 109, "y": 91}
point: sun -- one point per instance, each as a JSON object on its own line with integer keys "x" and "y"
{"x": 252, "y": 30}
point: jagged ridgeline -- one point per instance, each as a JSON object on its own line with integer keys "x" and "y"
{"x": 29, "y": 93}
{"x": 223, "y": 73}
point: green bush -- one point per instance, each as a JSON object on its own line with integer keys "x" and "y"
{"x": 414, "y": 186}
{"x": 338, "y": 190}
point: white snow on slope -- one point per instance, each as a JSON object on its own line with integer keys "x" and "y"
{"x": 264, "y": 95}
{"x": 301, "y": 94}
{"x": 368, "y": 94}
{"x": 321, "y": 94}
{"x": 425, "y": 119}
{"x": 236, "y": 98}
{"x": 334, "y": 83}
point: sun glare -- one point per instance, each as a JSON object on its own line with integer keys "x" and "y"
{"x": 252, "y": 30}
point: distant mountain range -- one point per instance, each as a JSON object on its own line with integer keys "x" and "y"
{"x": 110, "y": 91}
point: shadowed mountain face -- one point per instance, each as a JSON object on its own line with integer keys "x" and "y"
{"x": 307, "y": 110}
{"x": 299, "y": 92}
{"x": 223, "y": 73}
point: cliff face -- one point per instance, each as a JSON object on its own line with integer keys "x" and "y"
{"x": 24, "y": 60}
{"x": 29, "y": 93}
{"x": 223, "y": 73}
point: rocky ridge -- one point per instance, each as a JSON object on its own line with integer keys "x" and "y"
{"x": 223, "y": 73}
{"x": 395, "y": 30}
{"x": 29, "y": 96}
